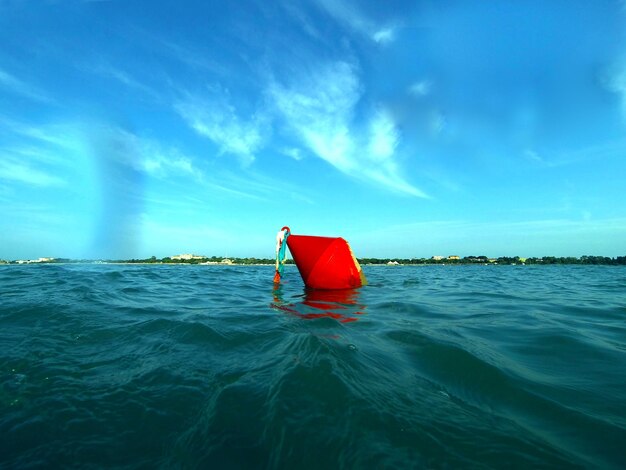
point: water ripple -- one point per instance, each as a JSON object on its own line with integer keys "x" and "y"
{"x": 209, "y": 366}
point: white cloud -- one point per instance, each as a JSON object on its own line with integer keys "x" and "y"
{"x": 23, "y": 173}
{"x": 293, "y": 152}
{"x": 157, "y": 163}
{"x": 219, "y": 122}
{"x": 318, "y": 106}
{"x": 384, "y": 138}
{"x": 384, "y": 36}
{"x": 421, "y": 88}
{"x": 11, "y": 83}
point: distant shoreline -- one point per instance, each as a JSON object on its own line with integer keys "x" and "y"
{"x": 435, "y": 260}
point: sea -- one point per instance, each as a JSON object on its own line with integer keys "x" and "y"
{"x": 214, "y": 367}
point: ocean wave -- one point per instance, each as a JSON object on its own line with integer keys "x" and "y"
{"x": 202, "y": 366}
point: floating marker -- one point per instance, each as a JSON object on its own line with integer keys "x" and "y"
{"x": 325, "y": 262}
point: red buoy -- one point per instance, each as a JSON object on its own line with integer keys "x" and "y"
{"x": 325, "y": 262}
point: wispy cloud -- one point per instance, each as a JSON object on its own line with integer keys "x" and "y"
{"x": 263, "y": 185}
{"x": 351, "y": 16}
{"x": 318, "y": 106}
{"x": 188, "y": 55}
{"x": 604, "y": 151}
{"x": 218, "y": 120}
{"x": 384, "y": 35}
{"x": 11, "y": 170}
{"x": 437, "y": 122}
{"x": 59, "y": 135}
{"x": 39, "y": 155}
{"x": 17, "y": 86}
{"x": 166, "y": 163}
{"x": 533, "y": 156}
{"x": 303, "y": 20}
{"x": 57, "y": 144}
{"x": 109, "y": 71}
{"x": 70, "y": 147}
{"x": 381, "y": 165}
{"x": 156, "y": 162}
{"x": 143, "y": 154}
{"x": 615, "y": 81}
{"x": 293, "y": 152}
{"x": 421, "y": 88}
{"x": 383, "y": 138}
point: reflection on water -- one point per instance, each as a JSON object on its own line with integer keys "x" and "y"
{"x": 341, "y": 304}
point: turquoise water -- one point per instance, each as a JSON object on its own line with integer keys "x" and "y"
{"x": 209, "y": 367}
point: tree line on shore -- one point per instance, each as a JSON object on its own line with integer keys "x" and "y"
{"x": 598, "y": 260}
{"x": 506, "y": 260}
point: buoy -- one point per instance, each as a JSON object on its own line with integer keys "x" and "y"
{"x": 325, "y": 262}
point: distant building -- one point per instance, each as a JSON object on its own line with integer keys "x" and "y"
{"x": 453, "y": 258}
{"x": 224, "y": 261}
{"x": 393, "y": 263}
{"x": 437, "y": 258}
{"x": 186, "y": 257}
{"x": 38, "y": 260}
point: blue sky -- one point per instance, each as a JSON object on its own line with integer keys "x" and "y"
{"x": 410, "y": 128}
